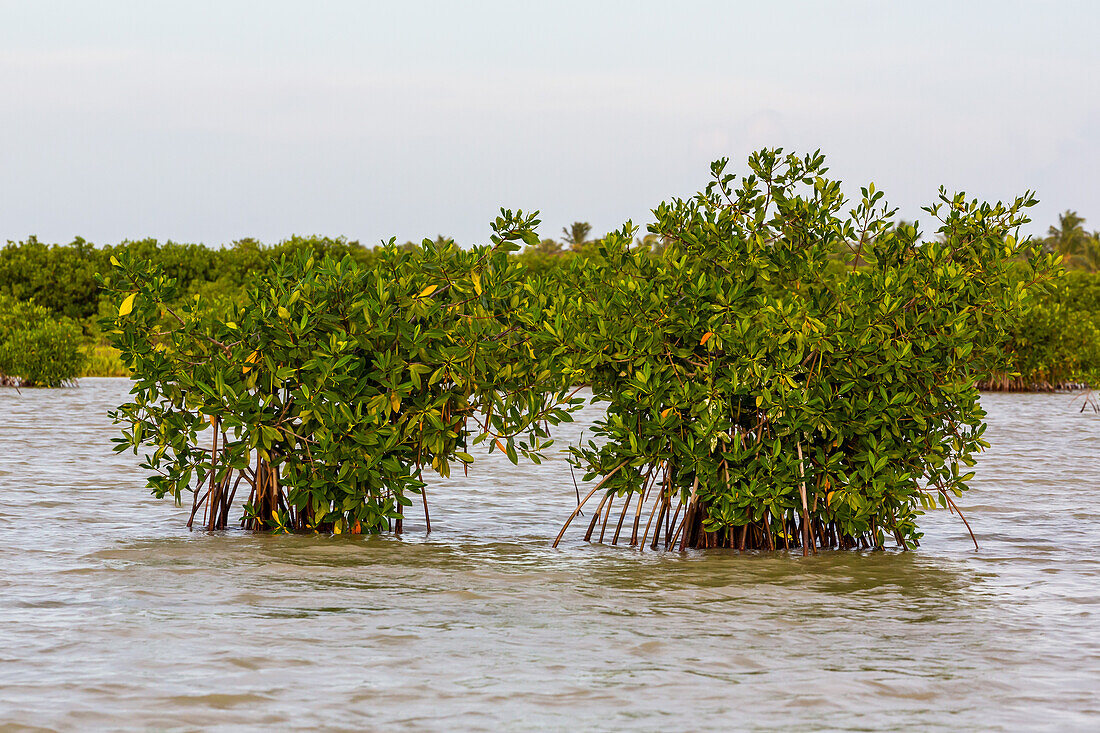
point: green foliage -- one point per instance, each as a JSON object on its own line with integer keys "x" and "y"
{"x": 60, "y": 278}
{"x": 103, "y": 361}
{"x": 63, "y": 277}
{"x": 330, "y": 386}
{"x": 774, "y": 396}
{"x": 779, "y": 371}
{"x": 1057, "y": 342}
{"x": 1054, "y": 346}
{"x": 37, "y": 349}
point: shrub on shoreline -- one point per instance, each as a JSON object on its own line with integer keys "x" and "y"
{"x": 1056, "y": 344}
{"x": 37, "y": 349}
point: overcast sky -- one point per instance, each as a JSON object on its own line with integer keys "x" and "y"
{"x": 213, "y": 121}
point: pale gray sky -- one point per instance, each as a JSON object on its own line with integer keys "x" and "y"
{"x": 211, "y": 121}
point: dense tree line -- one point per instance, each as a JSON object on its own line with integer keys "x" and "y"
{"x": 1056, "y": 344}
{"x": 61, "y": 277}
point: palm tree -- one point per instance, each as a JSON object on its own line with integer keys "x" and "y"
{"x": 576, "y": 234}
{"x": 1069, "y": 238}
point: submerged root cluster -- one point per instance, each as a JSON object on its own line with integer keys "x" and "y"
{"x": 1019, "y": 383}
{"x": 267, "y": 506}
{"x": 273, "y": 504}
{"x": 675, "y": 522}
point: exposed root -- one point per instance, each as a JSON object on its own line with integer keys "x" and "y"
{"x": 667, "y": 529}
{"x": 582, "y": 503}
{"x": 1035, "y": 383}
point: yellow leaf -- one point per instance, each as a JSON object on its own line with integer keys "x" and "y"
{"x": 127, "y": 305}
{"x": 283, "y": 313}
{"x": 252, "y": 359}
{"x": 214, "y": 421}
{"x": 829, "y": 498}
{"x": 427, "y": 291}
{"x": 338, "y": 526}
{"x": 395, "y": 402}
{"x": 477, "y": 282}
{"x": 114, "y": 261}
{"x": 500, "y": 446}
{"x": 706, "y": 337}
{"x": 664, "y": 412}
{"x": 231, "y": 325}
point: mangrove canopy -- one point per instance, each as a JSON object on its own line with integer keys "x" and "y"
{"x": 761, "y": 391}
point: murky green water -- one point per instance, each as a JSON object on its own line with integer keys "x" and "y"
{"x": 113, "y": 615}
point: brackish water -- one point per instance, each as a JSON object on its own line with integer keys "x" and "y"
{"x": 114, "y": 616}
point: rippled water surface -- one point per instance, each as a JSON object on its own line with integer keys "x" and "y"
{"x": 113, "y": 615}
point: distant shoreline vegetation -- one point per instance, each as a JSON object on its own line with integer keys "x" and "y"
{"x": 37, "y": 348}
{"x": 1056, "y": 345}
